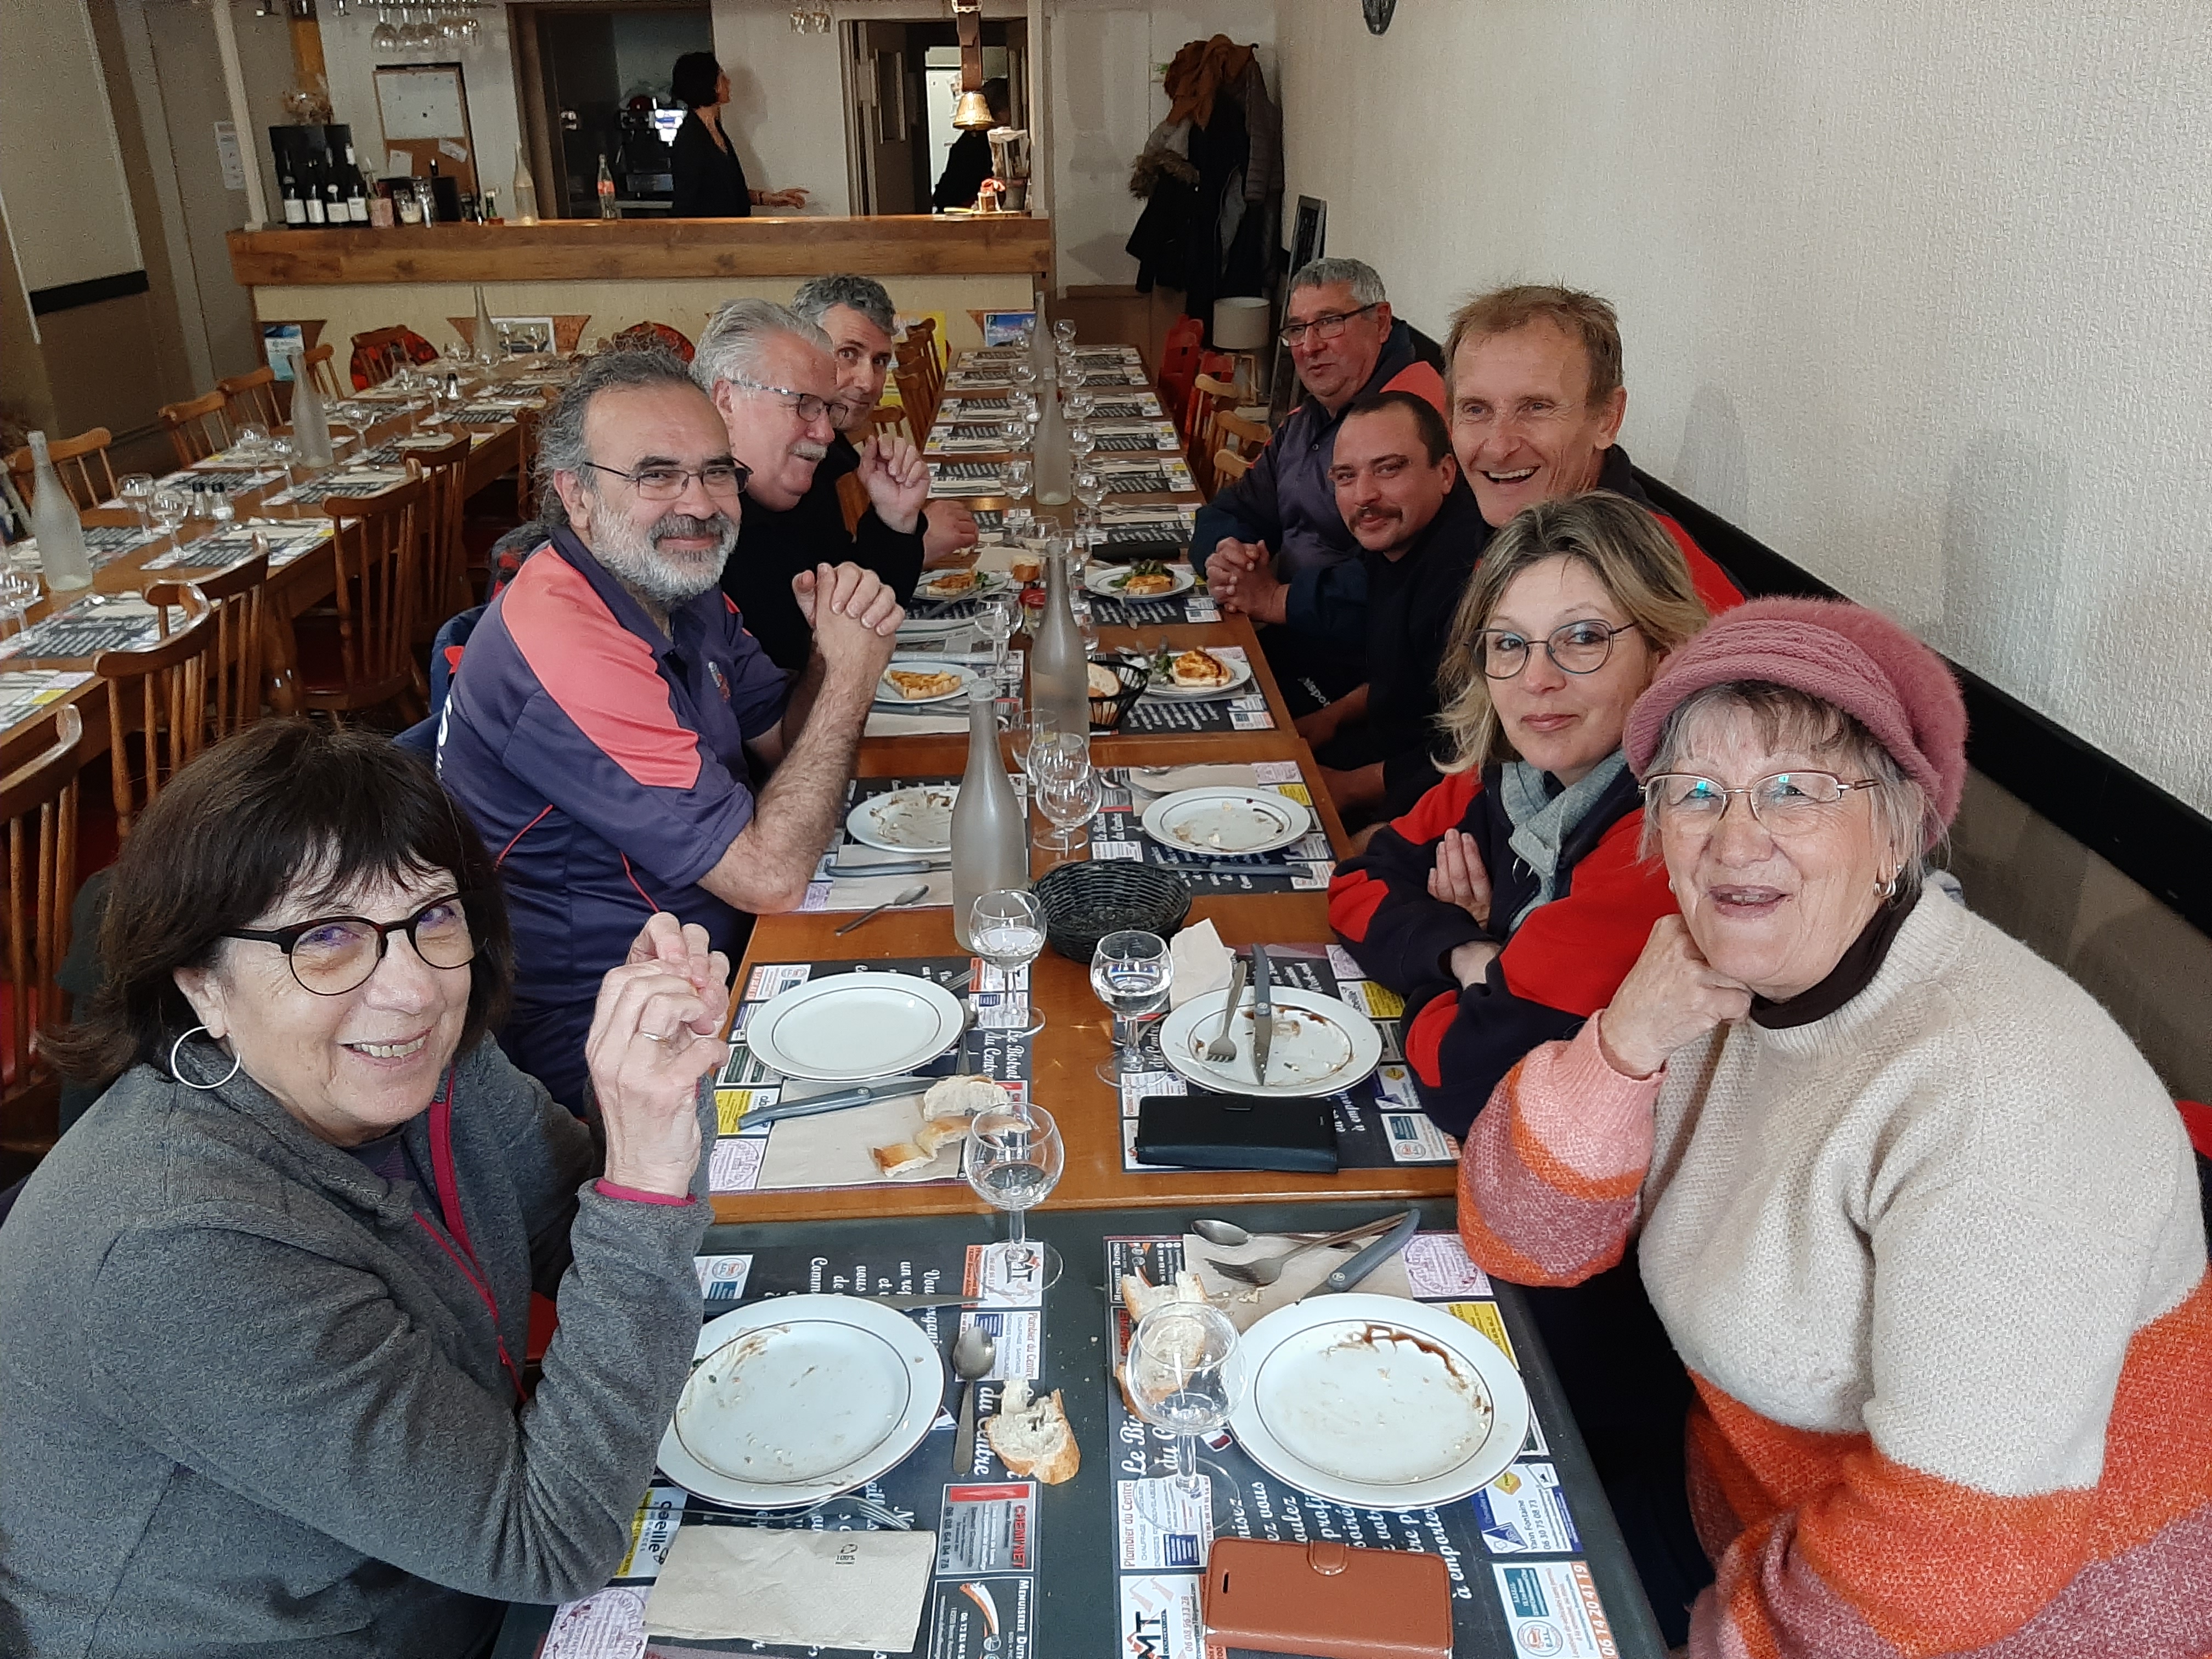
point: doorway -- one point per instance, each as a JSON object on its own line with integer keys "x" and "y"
{"x": 905, "y": 78}
{"x": 595, "y": 87}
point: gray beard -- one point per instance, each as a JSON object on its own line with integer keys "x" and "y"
{"x": 634, "y": 556}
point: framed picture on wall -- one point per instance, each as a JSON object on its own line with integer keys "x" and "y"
{"x": 1309, "y": 237}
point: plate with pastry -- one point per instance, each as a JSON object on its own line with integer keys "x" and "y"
{"x": 921, "y": 679}
{"x": 946, "y": 584}
{"x": 1197, "y": 674}
{"x": 915, "y": 819}
{"x": 1226, "y": 821}
{"x": 1147, "y": 578}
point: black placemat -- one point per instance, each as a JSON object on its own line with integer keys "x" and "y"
{"x": 84, "y": 630}
{"x": 1118, "y": 832}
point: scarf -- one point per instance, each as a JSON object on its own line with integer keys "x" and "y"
{"x": 1542, "y": 821}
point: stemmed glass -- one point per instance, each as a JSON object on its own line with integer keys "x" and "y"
{"x": 170, "y": 508}
{"x": 1082, "y": 443}
{"x": 994, "y": 621}
{"x": 1131, "y": 972}
{"x": 386, "y": 38}
{"x": 137, "y": 493}
{"x": 1064, "y": 331}
{"x": 1014, "y": 478}
{"x": 1091, "y": 495}
{"x": 1183, "y": 1377}
{"x": 1024, "y": 376}
{"x": 1015, "y": 525}
{"x": 1082, "y": 403}
{"x": 19, "y": 592}
{"x": 1008, "y": 930}
{"x": 1014, "y": 1161}
{"x": 1034, "y": 730}
{"x": 1067, "y": 789}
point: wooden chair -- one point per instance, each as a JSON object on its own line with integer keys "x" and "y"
{"x": 443, "y": 587}
{"x": 892, "y": 417}
{"x": 377, "y": 353}
{"x": 73, "y": 459}
{"x": 238, "y": 681}
{"x": 1228, "y": 467}
{"x": 914, "y": 392}
{"x": 160, "y": 695}
{"x": 918, "y": 359}
{"x": 527, "y": 422}
{"x": 198, "y": 427}
{"x": 1179, "y": 361}
{"x": 359, "y": 651}
{"x": 1208, "y": 398}
{"x": 251, "y": 399}
{"x": 37, "y": 802}
{"x": 322, "y": 362}
{"x": 1233, "y": 438}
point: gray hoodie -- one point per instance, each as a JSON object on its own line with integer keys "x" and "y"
{"x": 249, "y": 1401}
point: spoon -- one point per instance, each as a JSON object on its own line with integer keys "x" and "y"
{"x": 973, "y": 1351}
{"x": 905, "y": 898}
{"x": 1231, "y": 1236}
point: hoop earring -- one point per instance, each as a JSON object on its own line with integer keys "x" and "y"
{"x": 235, "y": 1062}
{"x": 1888, "y": 889}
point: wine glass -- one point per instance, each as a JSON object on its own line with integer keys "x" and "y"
{"x": 1024, "y": 376}
{"x": 1131, "y": 972}
{"x": 1014, "y": 1160}
{"x": 1082, "y": 403}
{"x": 1090, "y": 485}
{"x": 1007, "y": 928}
{"x": 1082, "y": 443}
{"x": 137, "y": 493}
{"x": 994, "y": 621}
{"x": 1035, "y": 729}
{"x": 1183, "y": 1377}
{"x": 19, "y": 592}
{"x": 1014, "y": 478}
{"x": 386, "y": 37}
{"x": 1019, "y": 524}
{"x": 1070, "y": 801}
{"x": 1064, "y": 330}
{"x": 170, "y": 508}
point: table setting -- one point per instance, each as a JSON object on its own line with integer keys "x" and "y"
{"x": 287, "y": 540}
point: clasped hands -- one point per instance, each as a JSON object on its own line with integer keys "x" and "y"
{"x": 651, "y": 1041}
{"x": 854, "y": 616}
{"x": 1240, "y": 575}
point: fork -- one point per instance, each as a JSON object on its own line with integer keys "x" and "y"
{"x": 1266, "y": 1271}
{"x": 1223, "y": 1048}
{"x": 867, "y": 1506}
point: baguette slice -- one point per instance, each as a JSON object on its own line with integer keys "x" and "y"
{"x": 932, "y": 1135}
{"x": 963, "y": 1096}
{"x": 1032, "y": 1437}
{"x": 897, "y": 1160}
{"x": 1140, "y": 1296}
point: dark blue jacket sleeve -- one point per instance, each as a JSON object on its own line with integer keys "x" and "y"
{"x": 1331, "y": 603}
{"x": 1245, "y": 512}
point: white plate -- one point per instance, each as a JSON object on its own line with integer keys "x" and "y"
{"x": 1320, "y": 1045}
{"x": 799, "y": 1398}
{"x": 915, "y": 819}
{"x": 986, "y": 581}
{"x": 1106, "y": 580}
{"x": 1378, "y": 1402}
{"x": 851, "y": 1027}
{"x": 1240, "y": 675}
{"x": 888, "y": 693}
{"x": 1226, "y": 823}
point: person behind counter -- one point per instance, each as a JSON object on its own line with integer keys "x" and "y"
{"x": 968, "y": 163}
{"x": 710, "y": 180}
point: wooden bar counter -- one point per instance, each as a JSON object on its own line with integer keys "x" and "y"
{"x": 613, "y": 273}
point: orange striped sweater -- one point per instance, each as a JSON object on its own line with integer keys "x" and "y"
{"x": 1936, "y": 1264}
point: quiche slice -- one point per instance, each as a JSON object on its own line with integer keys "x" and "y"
{"x": 914, "y": 685}
{"x": 1201, "y": 668}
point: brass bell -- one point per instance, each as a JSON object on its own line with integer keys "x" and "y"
{"x": 973, "y": 112}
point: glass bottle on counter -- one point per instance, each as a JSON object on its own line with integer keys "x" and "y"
{"x": 334, "y": 200}
{"x": 296, "y": 205}
{"x": 525, "y": 190}
{"x": 1060, "y": 669}
{"x": 990, "y": 839}
{"x": 607, "y": 209}
{"x": 356, "y": 191}
{"x": 487, "y": 340}
{"x": 311, "y": 189}
{"x": 54, "y": 521}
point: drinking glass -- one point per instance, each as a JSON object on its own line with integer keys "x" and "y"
{"x": 19, "y": 592}
{"x": 1024, "y": 375}
{"x": 1070, "y": 802}
{"x": 1014, "y": 1160}
{"x": 1016, "y": 524}
{"x": 994, "y": 621}
{"x": 1131, "y": 972}
{"x": 1089, "y": 491}
{"x": 1082, "y": 444}
{"x": 170, "y": 508}
{"x": 1007, "y": 929}
{"x": 1183, "y": 1377}
{"x": 137, "y": 493}
{"x": 1013, "y": 432}
{"x": 1014, "y": 478}
{"x": 1064, "y": 330}
{"x": 1034, "y": 732}
{"x": 1082, "y": 403}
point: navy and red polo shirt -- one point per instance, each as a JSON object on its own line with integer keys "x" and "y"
{"x": 604, "y": 764}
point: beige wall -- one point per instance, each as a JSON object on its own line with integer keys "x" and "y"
{"x": 60, "y": 165}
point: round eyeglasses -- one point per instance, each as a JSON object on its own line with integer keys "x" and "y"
{"x": 1580, "y": 647}
{"x": 332, "y": 955}
{"x": 1781, "y": 803}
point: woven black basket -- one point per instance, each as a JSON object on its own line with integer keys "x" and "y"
{"x": 1135, "y": 674}
{"x": 1085, "y": 901}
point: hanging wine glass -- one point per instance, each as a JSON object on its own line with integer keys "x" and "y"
{"x": 386, "y": 39}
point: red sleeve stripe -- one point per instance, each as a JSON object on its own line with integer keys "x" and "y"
{"x": 1573, "y": 953}
{"x": 1352, "y": 901}
{"x": 1713, "y": 586}
{"x": 1425, "y": 1038}
{"x": 1442, "y": 808}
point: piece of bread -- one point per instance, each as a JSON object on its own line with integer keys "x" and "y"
{"x": 899, "y": 1159}
{"x": 932, "y": 1135}
{"x": 1025, "y": 567}
{"x": 1139, "y": 1296}
{"x": 1104, "y": 681}
{"x": 1199, "y": 668}
{"x": 913, "y": 685}
{"x": 963, "y": 1096}
{"x": 1032, "y": 1437}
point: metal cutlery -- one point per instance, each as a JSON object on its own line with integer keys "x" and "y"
{"x": 904, "y": 1301}
{"x": 837, "y": 1101}
{"x": 1268, "y": 1269}
{"x": 895, "y": 1520}
{"x": 1263, "y": 1013}
{"x": 899, "y": 867}
{"x": 1370, "y": 1258}
{"x": 973, "y": 1351}
{"x": 910, "y": 896}
{"x": 1223, "y": 1048}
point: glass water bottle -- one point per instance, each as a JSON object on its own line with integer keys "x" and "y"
{"x": 1060, "y": 669}
{"x": 54, "y": 521}
{"x": 990, "y": 839}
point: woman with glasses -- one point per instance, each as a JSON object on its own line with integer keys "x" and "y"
{"x": 1919, "y": 1218}
{"x": 265, "y": 1310}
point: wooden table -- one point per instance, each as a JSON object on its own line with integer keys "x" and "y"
{"x": 1078, "y": 1030}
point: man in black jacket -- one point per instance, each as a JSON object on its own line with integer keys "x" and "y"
{"x": 772, "y": 376}
{"x": 1403, "y": 499}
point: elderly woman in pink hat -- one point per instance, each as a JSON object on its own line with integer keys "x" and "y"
{"x": 1919, "y": 1217}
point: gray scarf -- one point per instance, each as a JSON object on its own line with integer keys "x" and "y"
{"x": 1542, "y": 821}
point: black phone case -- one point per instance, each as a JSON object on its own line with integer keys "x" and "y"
{"x": 1199, "y": 1131}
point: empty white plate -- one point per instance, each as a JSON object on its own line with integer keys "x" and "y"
{"x": 850, "y": 1027}
{"x": 1378, "y": 1402}
{"x": 1320, "y": 1045}
{"x": 915, "y": 819}
{"x": 801, "y": 1397}
{"x": 1226, "y": 821}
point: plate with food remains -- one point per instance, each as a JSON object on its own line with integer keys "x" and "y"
{"x": 915, "y": 819}
{"x": 920, "y": 679}
{"x": 1148, "y": 579}
{"x": 1226, "y": 821}
{"x": 1197, "y": 674}
{"x": 1377, "y": 1402}
{"x": 959, "y": 585}
{"x": 1321, "y": 1046}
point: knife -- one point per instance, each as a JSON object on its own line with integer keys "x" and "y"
{"x": 905, "y": 1301}
{"x": 838, "y": 1101}
{"x": 1370, "y": 1258}
{"x": 903, "y": 867}
{"x": 1263, "y": 1014}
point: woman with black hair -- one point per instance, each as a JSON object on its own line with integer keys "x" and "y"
{"x": 710, "y": 180}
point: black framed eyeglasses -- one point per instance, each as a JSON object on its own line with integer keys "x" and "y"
{"x": 1783, "y": 803}
{"x": 659, "y": 482}
{"x": 1580, "y": 647}
{"x": 805, "y": 404}
{"x": 1326, "y": 327}
{"x": 332, "y": 955}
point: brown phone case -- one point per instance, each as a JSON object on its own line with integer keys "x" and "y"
{"x": 1327, "y": 1600}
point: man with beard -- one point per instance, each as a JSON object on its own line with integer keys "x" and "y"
{"x": 601, "y": 733}
{"x": 773, "y": 380}
{"x": 1402, "y": 498}
{"x": 857, "y": 314}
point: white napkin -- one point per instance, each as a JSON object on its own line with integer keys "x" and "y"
{"x": 1200, "y": 962}
{"x": 824, "y": 1589}
{"x": 1245, "y": 1304}
{"x": 1223, "y": 774}
{"x": 899, "y": 726}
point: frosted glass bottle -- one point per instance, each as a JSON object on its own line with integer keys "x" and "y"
{"x": 1059, "y": 670}
{"x": 990, "y": 838}
{"x": 487, "y": 340}
{"x": 311, "y": 427}
{"x": 526, "y": 191}
{"x": 54, "y": 521}
{"x": 1053, "y": 473}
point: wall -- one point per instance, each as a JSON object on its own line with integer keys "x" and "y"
{"x": 1105, "y": 80}
{"x": 487, "y": 76}
{"x": 649, "y": 43}
{"x": 60, "y": 165}
{"x": 1913, "y": 293}
{"x": 786, "y": 113}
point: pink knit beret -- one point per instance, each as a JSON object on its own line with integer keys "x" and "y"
{"x": 1844, "y": 654}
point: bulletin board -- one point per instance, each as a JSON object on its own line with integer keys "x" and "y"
{"x": 424, "y": 108}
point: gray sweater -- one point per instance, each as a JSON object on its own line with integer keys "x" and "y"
{"x": 248, "y": 1401}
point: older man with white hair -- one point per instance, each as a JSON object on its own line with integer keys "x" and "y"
{"x": 774, "y": 381}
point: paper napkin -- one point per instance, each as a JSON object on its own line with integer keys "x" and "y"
{"x": 820, "y": 1589}
{"x": 1200, "y": 962}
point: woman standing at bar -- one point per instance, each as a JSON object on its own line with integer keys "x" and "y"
{"x": 710, "y": 180}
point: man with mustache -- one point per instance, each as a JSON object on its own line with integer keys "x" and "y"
{"x": 1403, "y": 499}
{"x": 612, "y": 705}
{"x": 772, "y": 376}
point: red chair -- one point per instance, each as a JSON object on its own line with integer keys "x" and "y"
{"x": 1179, "y": 363}
{"x": 640, "y": 335}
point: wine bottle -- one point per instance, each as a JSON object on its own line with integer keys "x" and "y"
{"x": 334, "y": 202}
{"x": 356, "y": 191}
{"x": 525, "y": 190}
{"x": 607, "y": 209}
{"x": 55, "y": 522}
{"x": 312, "y": 187}
{"x": 1059, "y": 670}
{"x": 295, "y": 209}
{"x": 990, "y": 839}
